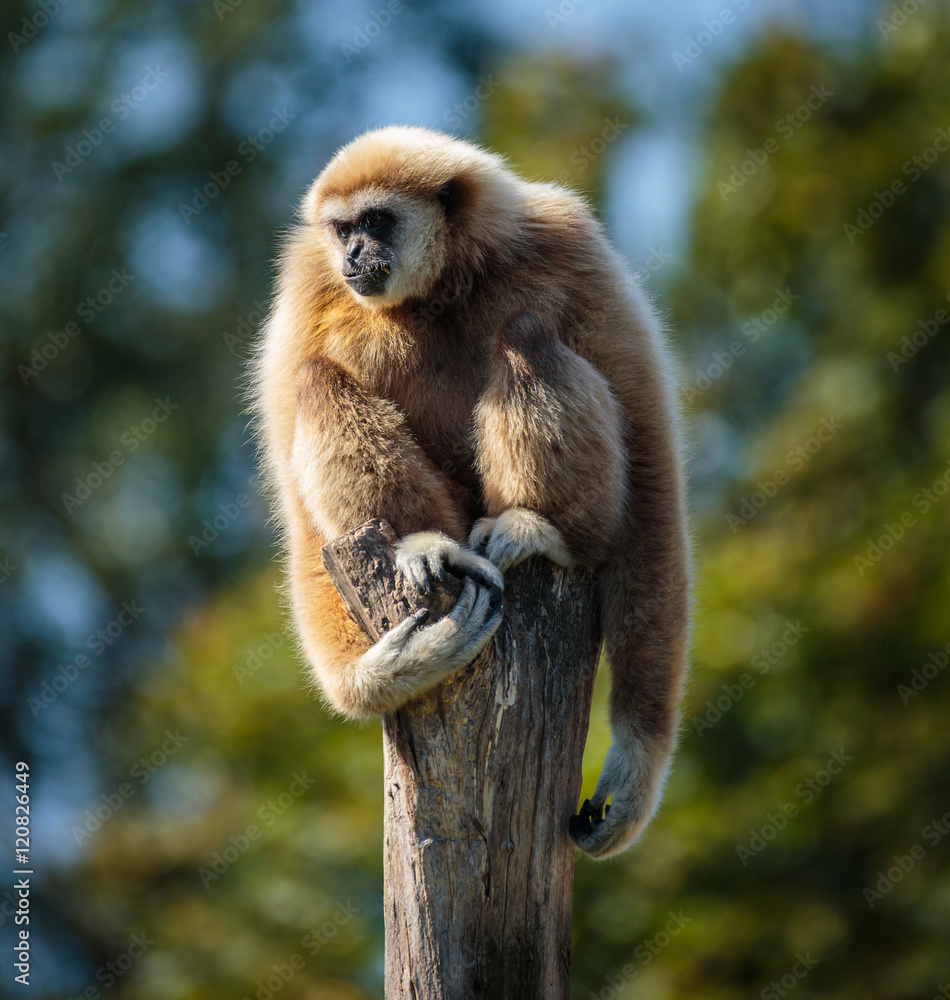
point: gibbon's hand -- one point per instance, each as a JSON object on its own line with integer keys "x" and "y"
{"x": 424, "y": 557}
{"x": 601, "y": 830}
{"x": 438, "y": 650}
{"x": 583, "y": 826}
{"x": 515, "y": 535}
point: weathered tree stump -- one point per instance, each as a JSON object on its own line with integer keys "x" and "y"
{"x": 482, "y": 776}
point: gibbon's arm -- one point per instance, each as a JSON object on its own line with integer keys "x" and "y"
{"x": 584, "y": 471}
{"x": 353, "y": 459}
{"x": 645, "y": 613}
{"x": 549, "y": 446}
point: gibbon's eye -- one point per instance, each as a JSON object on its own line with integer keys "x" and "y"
{"x": 343, "y": 229}
{"x": 374, "y": 220}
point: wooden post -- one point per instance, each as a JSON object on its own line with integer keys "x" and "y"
{"x": 482, "y": 776}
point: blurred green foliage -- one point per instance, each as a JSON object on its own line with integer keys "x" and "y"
{"x": 815, "y": 745}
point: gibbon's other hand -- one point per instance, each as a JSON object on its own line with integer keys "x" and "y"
{"x": 424, "y": 558}
{"x": 598, "y": 834}
{"x": 601, "y": 830}
{"x": 514, "y": 536}
{"x": 440, "y": 649}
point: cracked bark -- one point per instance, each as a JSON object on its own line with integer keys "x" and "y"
{"x": 481, "y": 777}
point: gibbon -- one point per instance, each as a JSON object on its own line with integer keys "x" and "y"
{"x": 462, "y": 353}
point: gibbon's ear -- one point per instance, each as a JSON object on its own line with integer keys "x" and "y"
{"x": 446, "y": 195}
{"x": 456, "y": 196}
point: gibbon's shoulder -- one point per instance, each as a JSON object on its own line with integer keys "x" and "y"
{"x": 559, "y": 213}
{"x": 564, "y": 231}
{"x": 559, "y": 205}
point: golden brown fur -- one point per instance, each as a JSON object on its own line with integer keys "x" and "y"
{"x": 511, "y": 372}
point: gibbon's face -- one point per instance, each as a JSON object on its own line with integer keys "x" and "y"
{"x": 388, "y": 246}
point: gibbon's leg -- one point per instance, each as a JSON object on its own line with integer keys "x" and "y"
{"x": 550, "y": 452}
{"x": 583, "y": 474}
{"x": 354, "y": 459}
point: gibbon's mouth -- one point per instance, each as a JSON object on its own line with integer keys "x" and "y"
{"x": 369, "y": 282}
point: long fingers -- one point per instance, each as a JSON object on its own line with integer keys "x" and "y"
{"x": 397, "y": 638}
{"x": 415, "y": 570}
{"x": 463, "y": 632}
{"x": 485, "y": 572}
{"x": 421, "y": 558}
{"x": 480, "y": 622}
{"x": 479, "y": 535}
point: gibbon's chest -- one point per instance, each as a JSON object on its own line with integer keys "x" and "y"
{"x": 438, "y": 390}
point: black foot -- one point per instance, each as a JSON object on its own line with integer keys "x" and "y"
{"x": 587, "y": 821}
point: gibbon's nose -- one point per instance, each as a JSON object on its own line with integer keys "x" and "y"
{"x": 353, "y": 251}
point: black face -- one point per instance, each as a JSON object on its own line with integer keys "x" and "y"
{"x": 368, "y": 249}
